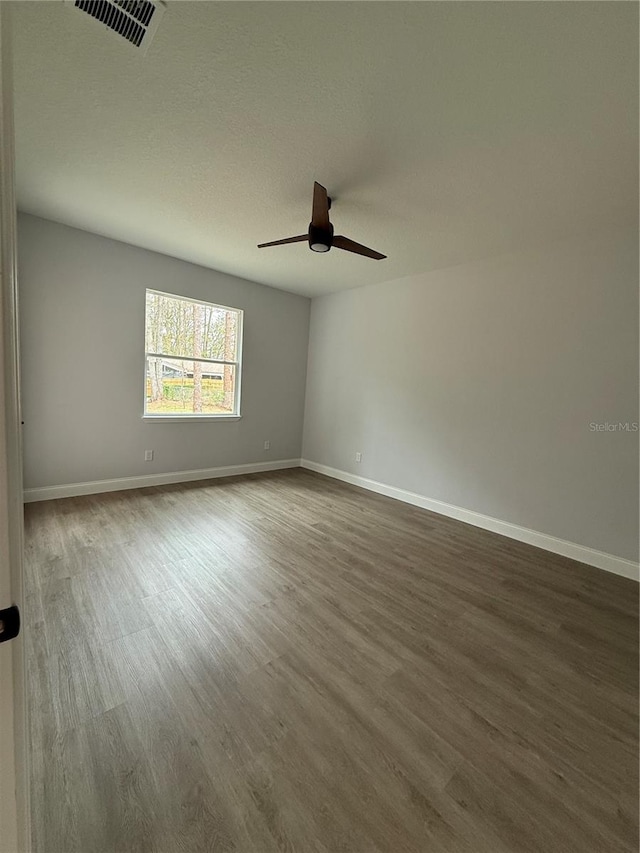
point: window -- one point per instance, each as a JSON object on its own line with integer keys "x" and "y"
{"x": 193, "y": 352}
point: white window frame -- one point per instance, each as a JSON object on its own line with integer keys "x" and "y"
{"x": 174, "y": 417}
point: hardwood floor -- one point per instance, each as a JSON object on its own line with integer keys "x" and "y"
{"x": 283, "y": 662}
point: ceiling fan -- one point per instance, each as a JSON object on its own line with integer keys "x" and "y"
{"x": 320, "y": 236}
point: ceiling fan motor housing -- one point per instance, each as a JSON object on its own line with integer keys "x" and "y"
{"x": 320, "y": 237}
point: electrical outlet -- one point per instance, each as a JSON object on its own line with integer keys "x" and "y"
{"x": 267, "y": 445}
{"x": 148, "y": 456}
{"x": 358, "y": 457}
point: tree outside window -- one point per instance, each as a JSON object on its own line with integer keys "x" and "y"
{"x": 192, "y": 357}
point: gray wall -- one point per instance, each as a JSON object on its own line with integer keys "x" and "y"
{"x": 476, "y": 385}
{"x": 82, "y": 325}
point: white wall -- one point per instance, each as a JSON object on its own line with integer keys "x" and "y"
{"x": 82, "y": 301}
{"x": 476, "y": 385}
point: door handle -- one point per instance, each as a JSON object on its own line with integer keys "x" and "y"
{"x": 9, "y": 623}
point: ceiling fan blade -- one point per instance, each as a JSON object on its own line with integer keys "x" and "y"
{"x": 320, "y": 211}
{"x": 297, "y": 239}
{"x": 358, "y": 249}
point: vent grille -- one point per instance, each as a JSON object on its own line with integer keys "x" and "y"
{"x": 141, "y": 10}
{"x": 131, "y": 19}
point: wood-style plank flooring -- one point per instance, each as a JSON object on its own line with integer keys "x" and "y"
{"x": 283, "y": 662}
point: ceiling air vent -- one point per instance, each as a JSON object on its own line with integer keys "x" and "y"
{"x": 134, "y": 20}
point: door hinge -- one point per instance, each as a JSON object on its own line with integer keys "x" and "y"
{"x": 9, "y": 623}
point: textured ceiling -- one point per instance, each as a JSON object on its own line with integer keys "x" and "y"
{"x": 445, "y": 132}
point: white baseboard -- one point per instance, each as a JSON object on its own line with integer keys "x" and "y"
{"x": 95, "y": 487}
{"x": 599, "y": 559}
{"x": 581, "y": 553}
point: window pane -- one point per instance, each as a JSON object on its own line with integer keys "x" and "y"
{"x": 176, "y": 387}
{"x": 181, "y": 327}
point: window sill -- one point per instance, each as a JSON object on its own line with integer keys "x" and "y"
{"x": 183, "y": 419}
